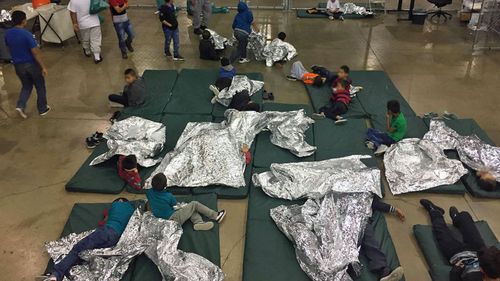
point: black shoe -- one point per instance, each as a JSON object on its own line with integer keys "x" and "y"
{"x": 99, "y": 60}
{"x": 179, "y": 58}
{"x": 128, "y": 43}
{"x": 98, "y": 137}
{"x": 202, "y": 27}
{"x": 115, "y": 116}
{"x": 91, "y": 143}
{"x": 197, "y": 31}
{"x": 453, "y": 212}
{"x": 46, "y": 111}
{"x": 429, "y": 206}
{"x": 168, "y": 54}
{"x": 124, "y": 56}
{"x": 220, "y": 216}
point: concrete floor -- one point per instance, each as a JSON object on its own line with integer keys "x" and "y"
{"x": 431, "y": 65}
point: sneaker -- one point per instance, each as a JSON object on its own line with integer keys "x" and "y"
{"x": 449, "y": 116}
{"x": 318, "y": 116}
{"x": 395, "y": 275}
{"x": 99, "y": 60}
{"x": 220, "y": 216}
{"x": 21, "y": 112}
{"x": 340, "y": 121}
{"x": 370, "y": 145}
{"x": 381, "y": 149}
{"x": 128, "y": 43}
{"x": 87, "y": 54}
{"x": 46, "y": 111}
{"x": 178, "y": 58}
{"x": 124, "y": 56}
{"x": 46, "y": 278}
{"x": 204, "y": 226}
{"x": 115, "y": 116}
{"x": 90, "y": 142}
{"x": 291, "y": 78}
{"x": 168, "y": 54}
{"x": 453, "y": 212}
{"x": 214, "y": 90}
{"x": 429, "y": 206}
{"x": 113, "y": 104}
{"x": 244, "y": 60}
{"x": 98, "y": 137}
{"x": 197, "y": 31}
{"x": 342, "y": 19}
{"x": 331, "y": 18}
{"x": 271, "y": 96}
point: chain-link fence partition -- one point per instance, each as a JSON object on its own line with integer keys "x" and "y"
{"x": 487, "y": 34}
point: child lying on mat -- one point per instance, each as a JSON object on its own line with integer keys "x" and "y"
{"x": 319, "y": 75}
{"x": 129, "y": 172}
{"x": 471, "y": 260}
{"x": 133, "y": 93}
{"x": 104, "y": 236}
{"x": 486, "y": 180}
{"x": 339, "y": 103}
{"x": 396, "y": 129}
{"x": 164, "y": 205}
{"x": 226, "y": 74}
{"x": 242, "y": 102}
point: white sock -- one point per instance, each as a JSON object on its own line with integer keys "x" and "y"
{"x": 97, "y": 56}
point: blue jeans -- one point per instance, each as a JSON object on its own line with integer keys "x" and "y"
{"x": 242, "y": 38}
{"x": 121, "y": 29}
{"x": 378, "y": 137}
{"x": 169, "y": 36}
{"x": 103, "y": 237}
{"x": 30, "y": 75}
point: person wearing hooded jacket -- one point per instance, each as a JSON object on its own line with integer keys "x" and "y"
{"x": 242, "y": 26}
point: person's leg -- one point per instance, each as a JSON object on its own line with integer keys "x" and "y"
{"x": 207, "y": 12}
{"x": 175, "y": 36}
{"x": 41, "y": 92}
{"x": 373, "y": 135}
{"x": 118, "y": 99}
{"x": 386, "y": 139}
{"x": 447, "y": 243}
{"x": 130, "y": 33}
{"x": 242, "y": 44}
{"x": 95, "y": 41}
{"x": 203, "y": 210}
{"x": 197, "y": 6}
{"x": 120, "y": 33}
{"x": 472, "y": 238}
{"x": 370, "y": 247}
{"x": 168, "y": 37}
{"x": 27, "y": 84}
{"x": 183, "y": 214}
{"x": 85, "y": 39}
{"x": 298, "y": 70}
{"x": 337, "y": 15}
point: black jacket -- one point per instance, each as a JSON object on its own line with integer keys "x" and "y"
{"x": 207, "y": 50}
{"x": 167, "y": 13}
{"x": 240, "y": 100}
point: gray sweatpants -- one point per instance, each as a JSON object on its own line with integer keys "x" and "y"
{"x": 202, "y": 10}
{"x": 298, "y": 70}
{"x": 91, "y": 39}
{"x": 193, "y": 211}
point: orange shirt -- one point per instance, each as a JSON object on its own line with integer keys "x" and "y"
{"x": 308, "y": 78}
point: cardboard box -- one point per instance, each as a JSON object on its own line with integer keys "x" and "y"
{"x": 465, "y": 16}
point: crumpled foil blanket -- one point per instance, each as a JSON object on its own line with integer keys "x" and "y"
{"x": 472, "y": 151}
{"x": 210, "y": 153}
{"x": 5, "y": 16}
{"x": 239, "y": 83}
{"x": 315, "y": 179}
{"x": 134, "y": 135}
{"x": 351, "y": 8}
{"x": 415, "y": 165}
{"x": 219, "y": 41}
{"x": 144, "y": 233}
{"x": 325, "y": 232}
{"x": 276, "y": 50}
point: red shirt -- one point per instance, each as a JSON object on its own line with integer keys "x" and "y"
{"x": 248, "y": 157}
{"x": 131, "y": 177}
{"x": 343, "y": 96}
{"x": 119, "y": 3}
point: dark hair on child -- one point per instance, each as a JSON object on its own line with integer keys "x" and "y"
{"x": 168, "y": 1}
{"x": 224, "y": 61}
{"x": 282, "y": 36}
{"x": 121, "y": 199}
{"x": 129, "y": 162}
{"x": 129, "y": 71}
{"x": 345, "y": 68}
{"x": 489, "y": 261}
{"x": 206, "y": 34}
{"x": 318, "y": 81}
{"x": 18, "y": 17}
{"x": 159, "y": 182}
{"x": 393, "y": 106}
{"x": 252, "y": 107}
{"x": 487, "y": 184}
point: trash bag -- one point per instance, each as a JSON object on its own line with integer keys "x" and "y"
{"x": 98, "y": 5}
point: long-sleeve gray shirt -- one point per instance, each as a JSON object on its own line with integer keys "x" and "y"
{"x": 136, "y": 92}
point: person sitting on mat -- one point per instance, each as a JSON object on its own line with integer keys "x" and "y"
{"x": 164, "y": 205}
{"x": 226, "y": 74}
{"x": 471, "y": 259}
{"x": 134, "y": 92}
{"x": 396, "y": 129}
{"x": 129, "y": 172}
{"x": 207, "y": 47}
{"x": 370, "y": 247}
{"x": 339, "y": 104}
{"x": 104, "y": 236}
{"x": 242, "y": 102}
{"x": 486, "y": 180}
{"x": 333, "y": 10}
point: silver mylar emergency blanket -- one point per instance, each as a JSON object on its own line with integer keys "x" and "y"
{"x": 134, "y": 135}
{"x": 210, "y": 153}
{"x": 5, "y": 16}
{"x": 315, "y": 179}
{"x": 276, "y": 50}
{"x": 351, "y": 8}
{"x": 144, "y": 233}
{"x": 415, "y": 165}
{"x": 472, "y": 151}
{"x": 218, "y": 40}
{"x": 239, "y": 83}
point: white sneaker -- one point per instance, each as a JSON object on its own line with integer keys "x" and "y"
{"x": 214, "y": 90}
{"x": 245, "y": 60}
{"x": 21, "y": 113}
{"x": 381, "y": 149}
{"x": 204, "y": 226}
{"x": 46, "y": 111}
{"x": 340, "y": 121}
{"x": 331, "y": 18}
{"x": 395, "y": 275}
{"x": 113, "y": 104}
{"x": 220, "y": 216}
{"x": 370, "y": 145}
{"x": 318, "y": 116}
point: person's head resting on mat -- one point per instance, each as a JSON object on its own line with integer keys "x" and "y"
{"x": 393, "y": 108}
{"x": 159, "y": 182}
{"x": 487, "y": 181}
{"x": 130, "y": 76}
{"x": 129, "y": 163}
{"x": 489, "y": 261}
{"x": 343, "y": 72}
{"x": 282, "y": 36}
{"x": 19, "y": 19}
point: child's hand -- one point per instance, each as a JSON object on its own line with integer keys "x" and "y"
{"x": 400, "y": 214}
{"x": 245, "y": 148}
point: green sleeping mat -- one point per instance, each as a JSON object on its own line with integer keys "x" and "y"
{"x": 191, "y": 94}
{"x": 159, "y": 85}
{"x": 205, "y": 243}
{"x": 439, "y": 267}
{"x": 267, "y": 153}
{"x": 175, "y": 125}
{"x": 302, "y": 13}
{"x": 320, "y": 96}
{"x": 269, "y": 255}
{"x": 335, "y": 141}
{"x": 218, "y": 109}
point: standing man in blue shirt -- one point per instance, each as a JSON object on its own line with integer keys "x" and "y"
{"x": 28, "y": 63}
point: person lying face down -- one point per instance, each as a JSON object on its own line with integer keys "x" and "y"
{"x": 487, "y": 181}
{"x": 164, "y": 205}
{"x": 105, "y": 236}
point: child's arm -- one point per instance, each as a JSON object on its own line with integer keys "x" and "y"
{"x": 389, "y": 127}
{"x": 171, "y": 200}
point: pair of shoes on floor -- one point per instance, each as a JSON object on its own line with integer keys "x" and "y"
{"x": 115, "y": 116}
{"x": 395, "y": 275}
{"x": 243, "y": 60}
{"x": 267, "y": 96}
{"x": 429, "y": 206}
{"x": 23, "y": 114}
{"x": 204, "y": 226}
{"x": 94, "y": 140}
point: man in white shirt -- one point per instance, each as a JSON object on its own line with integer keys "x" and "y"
{"x": 89, "y": 27}
{"x": 333, "y": 10}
